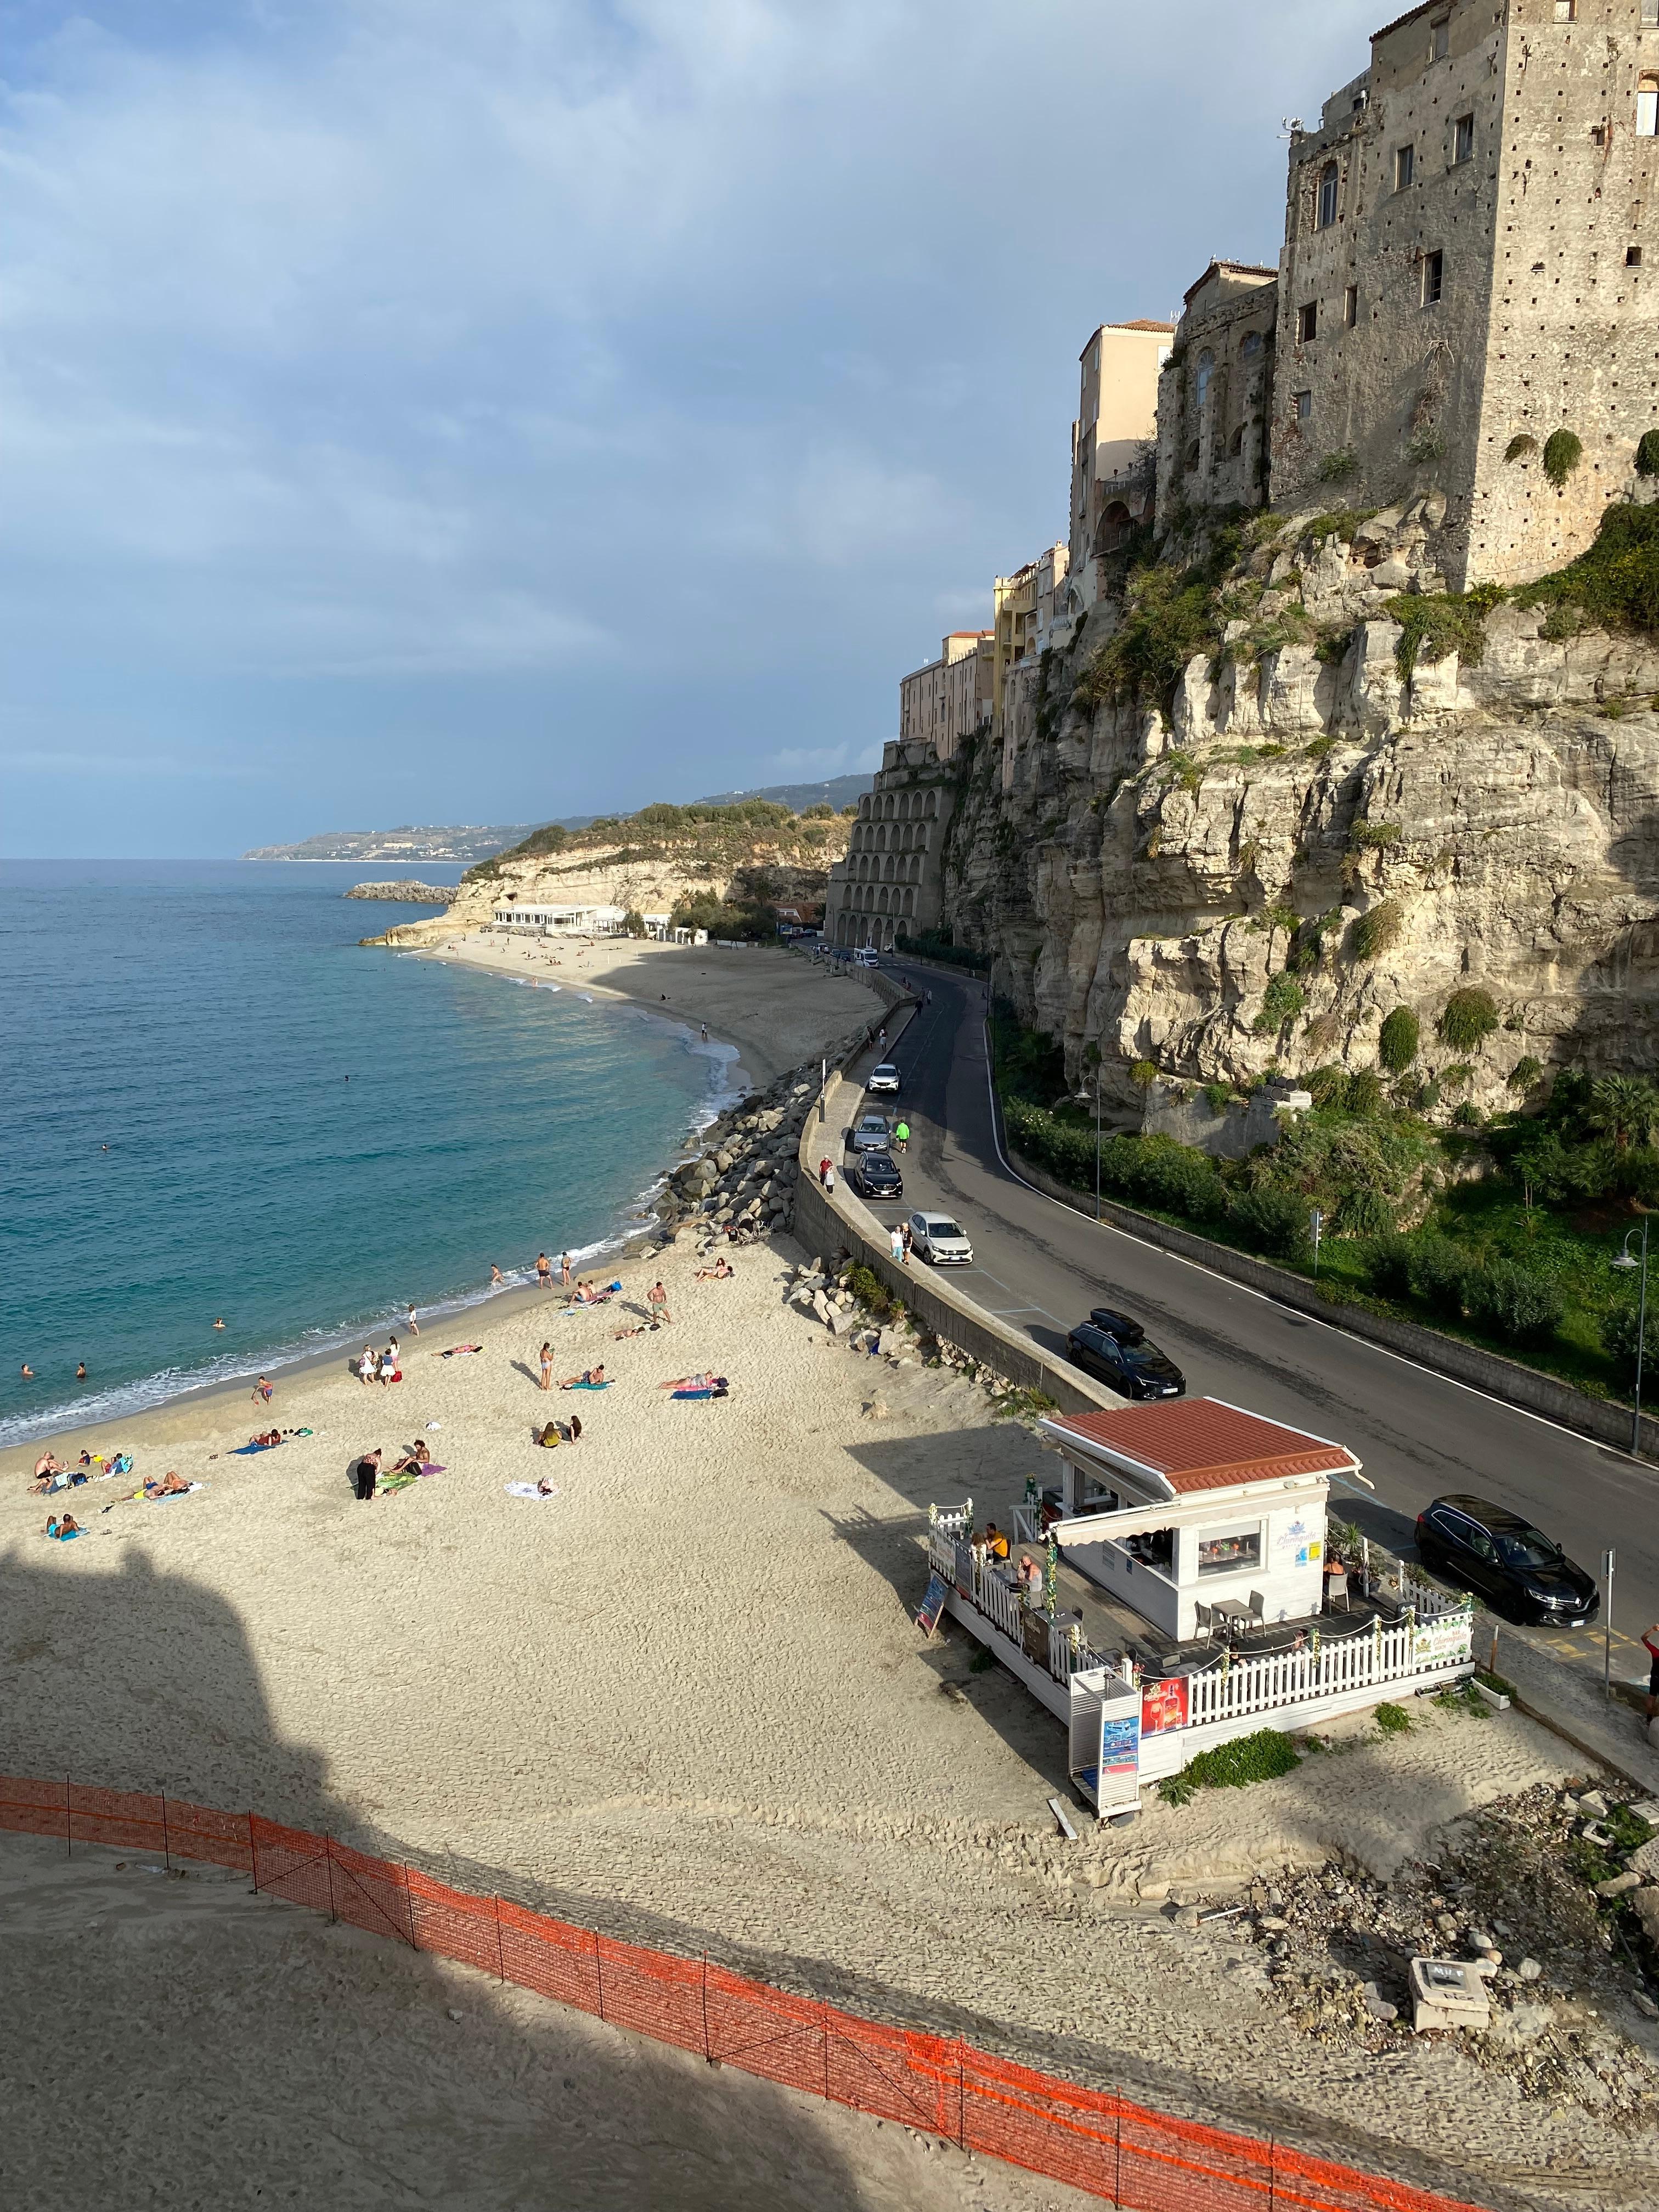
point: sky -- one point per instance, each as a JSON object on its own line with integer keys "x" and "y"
{"x": 481, "y": 411}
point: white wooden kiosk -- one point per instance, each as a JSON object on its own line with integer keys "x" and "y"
{"x": 1173, "y": 1508}
{"x": 1193, "y": 1504}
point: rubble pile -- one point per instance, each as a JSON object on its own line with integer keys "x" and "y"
{"x": 1552, "y": 1898}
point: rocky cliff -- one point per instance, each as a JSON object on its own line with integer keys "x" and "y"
{"x": 1359, "y": 794}
{"x": 651, "y": 862}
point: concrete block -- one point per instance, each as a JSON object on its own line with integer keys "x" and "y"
{"x": 1448, "y": 1993}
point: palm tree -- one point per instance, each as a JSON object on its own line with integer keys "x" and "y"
{"x": 1623, "y": 1106}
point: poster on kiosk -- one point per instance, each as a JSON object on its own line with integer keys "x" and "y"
{"x": 1105, "y": 1741}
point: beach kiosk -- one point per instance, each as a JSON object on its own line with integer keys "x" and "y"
{"x": 1195, "y": 1513}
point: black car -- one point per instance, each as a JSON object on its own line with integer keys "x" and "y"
{"x": 1117, "y": 1325}
{"x": 1135, "y": 1371}
{"x": 872, "y": 1175}
{"x": 1484, "y": 1547}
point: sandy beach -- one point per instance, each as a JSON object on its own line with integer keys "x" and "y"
{"x": 685, "y": 1699}
{"x": 780, "y": 1009}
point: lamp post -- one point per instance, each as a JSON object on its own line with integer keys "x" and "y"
{"x": 1625, "y": 1264}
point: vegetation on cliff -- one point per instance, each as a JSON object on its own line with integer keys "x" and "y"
{"x": 705, "y": 840}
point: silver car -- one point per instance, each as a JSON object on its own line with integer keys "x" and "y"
{"x": 885, "y": 1077}
{"x": 872, "y": 1134}
{"x": 937, "y": 1237}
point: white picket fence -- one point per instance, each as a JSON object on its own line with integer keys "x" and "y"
{"x": 949, "y": 1554}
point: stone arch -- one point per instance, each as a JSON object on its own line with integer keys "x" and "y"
{"x": 1114, "y": 526}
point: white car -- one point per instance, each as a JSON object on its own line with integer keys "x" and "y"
{"x": 939, "y": 1238}
{"x": 866, "y": 956}
{"x": 885, "y": 1077}
{"x": 873, "y": 1134}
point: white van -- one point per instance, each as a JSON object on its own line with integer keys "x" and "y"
{"x": 866, "y": 957}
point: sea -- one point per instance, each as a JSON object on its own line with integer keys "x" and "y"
{"x": 214, "y": 1104}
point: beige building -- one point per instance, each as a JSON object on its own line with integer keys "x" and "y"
{"x": 949, "y": 700}
{"x": 891, "y": 883}
{"x": 1111, "y": 440}
{"x": 1464, "y": 277}
{"x": 1215, "y": 396}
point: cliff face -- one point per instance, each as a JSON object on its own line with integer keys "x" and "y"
{"x": 651, "y": 861}
{"x": 1311, "y": 838}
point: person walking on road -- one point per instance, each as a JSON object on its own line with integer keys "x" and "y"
{"x": 902, "y": 1135}
{"x": 896, "y": 1245}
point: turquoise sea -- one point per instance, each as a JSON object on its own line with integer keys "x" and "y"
{"x": 181, "y": 1141}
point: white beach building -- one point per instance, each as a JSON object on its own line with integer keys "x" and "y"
{"x": 562, "y": 921}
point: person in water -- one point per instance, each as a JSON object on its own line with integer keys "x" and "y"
{"x": 81, "y": 1371}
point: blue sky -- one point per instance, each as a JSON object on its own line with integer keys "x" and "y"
{"x": 486, "y": 409}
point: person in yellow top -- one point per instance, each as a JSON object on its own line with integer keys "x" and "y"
{"x": 996, "y": 1544}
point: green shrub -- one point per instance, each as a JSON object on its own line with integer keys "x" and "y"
{"x": 1468, "y": 1018}
{"x": 1387, "y": 1262}
{"x": 1619, "y": 1336}
{"x": 1259, "y": 1757}
{"x": 1365, "y": 1091}
{"x": 1467, "y": 1115}
{"x": 1273, "y": 1221}
{"x": 1281, "y": 1002}
{"x": 1373, "y": 836}
{"x": 1457, "y": 1077}
{"x": 1647, "y": 453}
{"x": 1434, "y": 624}
{"x": 1364, "y": 1211}
{"x": 1563, "y": 451}
{"x": 1330, "y": 649}
{"x": 1393, "y": 1720}
{"x": 1342, "y": 522}
{"x": 1397, "y": 1041}
{"x": 1376, "y": 929}
{"x": 1518, "y": 447}
{"x": 1525, "y": 1073}
{"x": 1144, "y": 1075}
{"x": 1170, "y": 615}
{"x": 1337, "y": 466}
{"x": 1180, "y": 1180}
{"x": 1220, "y": 1096}
{"x": 1427, "y": 445}
{"x": 869, "y": 1290}
{"x": 1440, "y": 1275}
{"x": 1327, "y": 1086}
{"x": 1521, "y": 1306}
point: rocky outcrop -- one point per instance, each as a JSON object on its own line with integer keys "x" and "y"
{"x": 1306, "y": 837}
{"x": 410, "y": 894}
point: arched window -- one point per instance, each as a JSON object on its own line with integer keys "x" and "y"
{"x": 1250, "y": 344}
{"x": 1206, "y": 369}
{"x": 1116, "y": 524}
{"x": 1236, "y": 443}
{"x": 1326, "y": 205}
{"x": 1647, "y": 107}
{"x": 1189, "y": 459}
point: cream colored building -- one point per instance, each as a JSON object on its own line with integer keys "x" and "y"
{"x": 949, "y": 699}
{"x": 1111, "y": 446}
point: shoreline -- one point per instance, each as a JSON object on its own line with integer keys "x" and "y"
{"x": 183, "y": 1414}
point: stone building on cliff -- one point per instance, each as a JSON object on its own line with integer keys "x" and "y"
{"x": 891, "y": 883}
{"x": 1463, "y": 302}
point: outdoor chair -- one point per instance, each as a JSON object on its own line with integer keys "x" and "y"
{"x": 1336, "y": 1586}
{"x": 1258, "y": 1610}
{"x": 1204, "y": 1622}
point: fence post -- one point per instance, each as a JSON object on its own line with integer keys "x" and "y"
{"x": 68, "y": 1822}
{"x": 328, "y": 1861}
{"x": 167, "y": 1850}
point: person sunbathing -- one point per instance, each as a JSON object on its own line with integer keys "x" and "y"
{"x": 638, "y": 1330}
{"x": 415, "y": 1461}
{"x": 266, "y": 1439}
{"x": 722, "y": 1271}
{"x": 170, "y": 1485}
{"x": 63, "y": 1529}
{"x": 715, "y": 1384}
{"x": 591, "y": 1378}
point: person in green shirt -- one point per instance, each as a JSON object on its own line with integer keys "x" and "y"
{"x": 902, "y": 1135}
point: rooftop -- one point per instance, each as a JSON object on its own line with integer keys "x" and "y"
{"x": 1203, "y": 1444}
{"x": 1229, "y": 268}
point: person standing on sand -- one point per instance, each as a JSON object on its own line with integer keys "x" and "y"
{"x": 364, "y": 1475}
{"x": 547, "y": 1366}
{"x": 544, "y": 1271}
{"x": 263, "y": 1392}
{"x": 413, "y": 1326}
{"x": 564, "y": 1271}
{"x": 657, "y": 1299}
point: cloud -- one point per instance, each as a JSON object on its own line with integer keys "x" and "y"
{"x": 658, "y": 370}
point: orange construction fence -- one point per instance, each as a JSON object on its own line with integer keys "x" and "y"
{"x": 1092, "y": 2139}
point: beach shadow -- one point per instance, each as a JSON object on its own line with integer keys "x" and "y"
{"x": 530, "y": 1374}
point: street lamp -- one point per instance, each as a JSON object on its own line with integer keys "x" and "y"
{"x": 1625, "y": 1264}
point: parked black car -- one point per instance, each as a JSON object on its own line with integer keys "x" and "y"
{"x": 1484, "y": 1547}
{"x": 1135, "y": 1371}
{"x": 1117, "y": 1325}
{"x": 872, "y": 1175}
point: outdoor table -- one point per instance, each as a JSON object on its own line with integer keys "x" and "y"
{"x": 1234, "y": 1609}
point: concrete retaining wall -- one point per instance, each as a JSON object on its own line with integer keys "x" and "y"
{"x": 1447, "y": 1355}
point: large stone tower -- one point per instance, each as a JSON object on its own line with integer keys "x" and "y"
{"x": 1463, "y": 278}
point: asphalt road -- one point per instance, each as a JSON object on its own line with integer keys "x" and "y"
{"x": 1040, "y": 1266}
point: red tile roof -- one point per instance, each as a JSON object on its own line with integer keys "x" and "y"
{"x": 1204, "y": 1443}
{"x": 1140, "y": 324}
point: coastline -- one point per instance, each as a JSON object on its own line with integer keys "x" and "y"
{"x": 747, "y": 1016}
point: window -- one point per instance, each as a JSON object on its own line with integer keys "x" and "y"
{"x": 1251, "y": 344}
{"x": 1230, "y": 1551}
{"x": 1433, "y": 273}
{"x": 1303, "y": 402}
{"x": 1650, "y": 11}
{"x": 1647, "y": 107}
{"x": 1439, "y": 38}
{"x": 1405, "y": 163}
{"x": 1351, "y": 306}
{"x": 1236, "y": 443}
{"x": 1307, "y": 323}
{"x": 1205, "y": 370}
{"x": 1566, "y": 11}
{"x": 1326, "y": 214}
{"x": 1633, "y": 253}
{"x": 1462, "y": 140}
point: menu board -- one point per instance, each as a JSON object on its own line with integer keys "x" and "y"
{"x": 1163, "y": 1705}
{"x": 932, "y": 1604}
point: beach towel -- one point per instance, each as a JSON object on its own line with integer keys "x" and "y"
{"x": 404, "y": 1476}
{"x": 699, "y": 1393}
{"x": 241, "y": 1452}
{"x": 64, "y": 1535}
{"x": 584, "y": 1386}
{"x": 529, "y": 1489}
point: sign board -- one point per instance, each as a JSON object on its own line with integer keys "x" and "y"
{"x": 1117, "y": 1787}
{"x": 932, "y": 1604}
{"x": 1163, "y": 1705}
{"x": 1443, "y": 1642}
